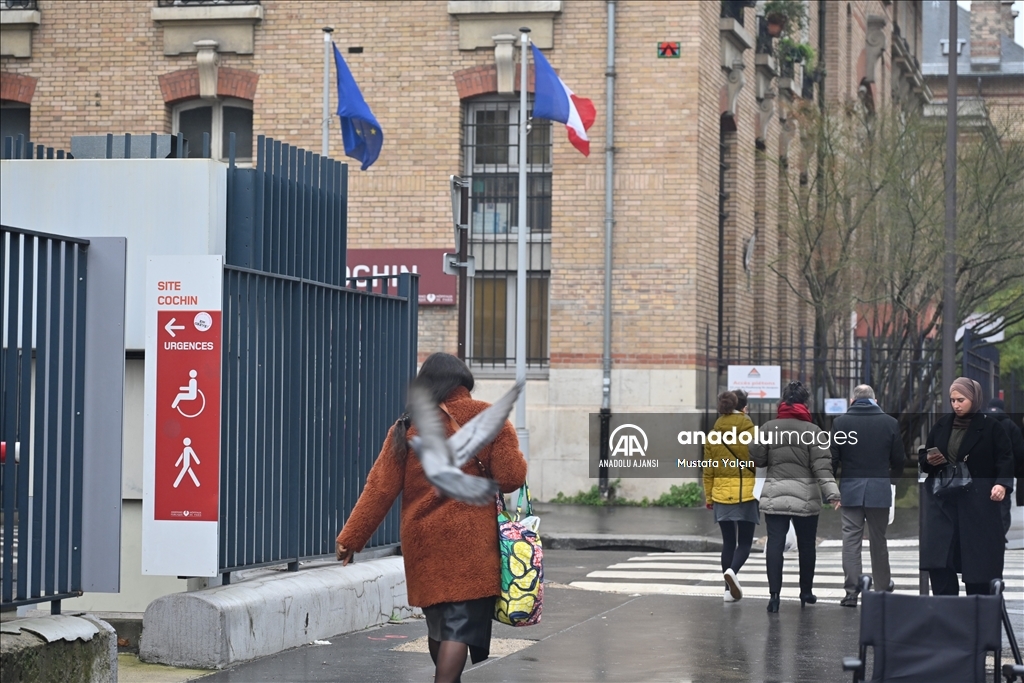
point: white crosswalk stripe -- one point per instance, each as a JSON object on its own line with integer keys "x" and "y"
{"x": 701, "y": 574}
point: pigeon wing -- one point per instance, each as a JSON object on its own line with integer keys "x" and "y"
{"x": 432, "y": 449}
{"x": 430, "y": 443}
{"x": 467, "y": 488}
{"x": 483, "y": 428}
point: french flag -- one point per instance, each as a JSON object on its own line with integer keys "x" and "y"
{"x": 553, "y": 100}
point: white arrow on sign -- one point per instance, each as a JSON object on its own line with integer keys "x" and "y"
{"x": 171, "y": 327}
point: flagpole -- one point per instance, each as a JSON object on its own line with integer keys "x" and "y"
{"x": 524, "y": 435}
{"x": 325, "y": 127}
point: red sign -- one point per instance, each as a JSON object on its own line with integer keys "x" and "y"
{"x": 188, "y": 355}
{"x": 436, "y": 287}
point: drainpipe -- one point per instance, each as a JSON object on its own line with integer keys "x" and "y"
{"x": 609, "y": 222}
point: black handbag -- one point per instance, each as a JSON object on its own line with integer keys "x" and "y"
{"x": 952, "y": 480}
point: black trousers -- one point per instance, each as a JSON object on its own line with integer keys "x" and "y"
{"x": 778, "y": 527}
{"x": 945, "y": 582}
{"x": 736, "y": 546}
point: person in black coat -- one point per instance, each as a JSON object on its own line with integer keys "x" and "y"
{"x": 868, "y": 449}
{"x": 998, "y": 410}
{"x": 964, "y": 533}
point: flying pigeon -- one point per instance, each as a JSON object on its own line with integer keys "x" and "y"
{"x": 442, "y": 458}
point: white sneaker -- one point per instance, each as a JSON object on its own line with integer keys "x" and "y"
{"x": 728, "y": 596}
{"x": 734, "y": 585}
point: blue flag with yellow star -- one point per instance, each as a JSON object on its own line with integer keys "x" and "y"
{"x": 359, "y": 129}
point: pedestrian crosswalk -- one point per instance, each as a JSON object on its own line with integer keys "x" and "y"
{"x": 694, "y": 573}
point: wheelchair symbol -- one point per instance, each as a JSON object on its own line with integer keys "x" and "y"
{"x": 190, "y": 392}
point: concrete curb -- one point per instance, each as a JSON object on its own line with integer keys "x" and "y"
{"x": 654, "y": 542}
{"x": 220, "y": 626}
{"x": 77, "y": 648}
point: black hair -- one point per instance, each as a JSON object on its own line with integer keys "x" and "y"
{"x": 440, "y": 374}
{"x": 997, "y": 403}
{"x": 741, "y": 399}
{"x": 795, "y": 392}
{"x": 727, "y": 402}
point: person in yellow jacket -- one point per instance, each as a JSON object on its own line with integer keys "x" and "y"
{"x": 729, "y": 486}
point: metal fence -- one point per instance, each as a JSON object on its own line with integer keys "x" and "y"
{"x": 153, "y": 146}
{"x": 287, "y": 214}
{"x": 42, "y": 294}
{"x": 20, "y": 148}
{"x": 314, "y": 376}
{"x": 906, "y": 377}
{"x": 315, "y": 368}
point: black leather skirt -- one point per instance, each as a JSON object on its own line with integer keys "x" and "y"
{"x": 466, "y": 622}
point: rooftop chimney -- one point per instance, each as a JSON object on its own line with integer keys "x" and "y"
{"x": 1008, "y": 14}
{"x": 986, "y": 26}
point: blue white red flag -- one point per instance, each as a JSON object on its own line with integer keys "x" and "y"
{"x": 553, "y": 100}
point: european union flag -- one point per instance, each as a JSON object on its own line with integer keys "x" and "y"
{"x": 360, "y": 130}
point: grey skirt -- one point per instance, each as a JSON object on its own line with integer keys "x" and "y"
{"x": 466, "y": 622}
{"x": 738, "y": 512}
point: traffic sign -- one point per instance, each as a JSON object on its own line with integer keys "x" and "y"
{"x": 181, "y": 459}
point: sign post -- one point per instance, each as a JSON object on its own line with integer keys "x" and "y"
{"x": 181, "y": 455}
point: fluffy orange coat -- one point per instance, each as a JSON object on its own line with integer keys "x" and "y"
{"x": 450, "y": 548}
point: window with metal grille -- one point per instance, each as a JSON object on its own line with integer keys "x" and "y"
{"x": 491, "y": 155}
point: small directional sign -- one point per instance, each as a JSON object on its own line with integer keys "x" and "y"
{"x": 668, "y": 50}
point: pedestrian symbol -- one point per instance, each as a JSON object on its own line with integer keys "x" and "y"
{"x": 185, "y": 461}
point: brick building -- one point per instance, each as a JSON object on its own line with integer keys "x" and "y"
{"x": 990, "y": 64}
{"x": 700, "y": 149}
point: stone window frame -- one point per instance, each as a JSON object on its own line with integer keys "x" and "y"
{"x": 480, "y": 20}
{"x": 216, "y": 125}
{"x": 18, "y": 23}
{"x": 231, "y": 26}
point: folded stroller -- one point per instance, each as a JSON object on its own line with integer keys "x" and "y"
{"x": 933, "y": 639}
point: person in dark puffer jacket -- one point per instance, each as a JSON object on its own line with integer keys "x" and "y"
{"x": 799, "y": 474}
{"x": 998, "y": 410}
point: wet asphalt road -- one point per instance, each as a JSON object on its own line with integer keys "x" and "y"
{"x": 592, "y": 636}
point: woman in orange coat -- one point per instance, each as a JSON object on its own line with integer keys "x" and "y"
{"x": 452, "y": 565}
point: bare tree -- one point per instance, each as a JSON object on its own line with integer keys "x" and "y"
{"x": 867, "y": 235}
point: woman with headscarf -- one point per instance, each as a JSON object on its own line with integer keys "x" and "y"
{"x": 963, "y": 532}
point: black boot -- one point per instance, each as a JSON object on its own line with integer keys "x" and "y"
{"x": 773, "y": 603}
{"x": 808, "y": 598}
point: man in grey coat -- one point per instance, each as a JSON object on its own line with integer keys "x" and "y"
{"x": 867, "y": 450}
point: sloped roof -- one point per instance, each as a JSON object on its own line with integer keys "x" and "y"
{"x": 935, "y": 29}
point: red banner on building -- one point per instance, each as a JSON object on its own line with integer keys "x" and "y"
{"x": 187, "y": 468}
{"x": 436, "y": 287}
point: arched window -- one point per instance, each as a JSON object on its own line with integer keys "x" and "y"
{"x": 15, "y": 120}
{"x": 219, "y": 118}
